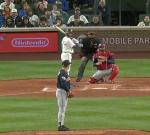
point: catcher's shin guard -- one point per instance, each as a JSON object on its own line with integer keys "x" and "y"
{"x": 92, "y": 80}
{"x": 114, "y": 72}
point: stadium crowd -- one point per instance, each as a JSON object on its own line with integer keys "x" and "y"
{"x": 47, "y": 13}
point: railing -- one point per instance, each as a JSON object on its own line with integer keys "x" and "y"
{"x": 110, "y": 28}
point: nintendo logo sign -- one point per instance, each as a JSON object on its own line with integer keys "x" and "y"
{"x": 30, "y": 42}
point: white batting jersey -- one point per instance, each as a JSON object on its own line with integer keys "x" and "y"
{"x": 67, "y": 45}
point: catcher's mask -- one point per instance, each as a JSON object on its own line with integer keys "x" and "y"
{"x": 101, "y": 47}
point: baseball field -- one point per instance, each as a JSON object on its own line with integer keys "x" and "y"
{"x": 102, "y": 109}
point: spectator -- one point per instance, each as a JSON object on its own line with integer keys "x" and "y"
{"x": 6, "y": 11}
{"x": 8, "y": 3}
{"x": 90, "y": 3}
{"x": 59, "y": 22}
{"x": 43, "y": 22}
{"x": 57, "y": 12}
{"x": 104, "y": 10}
{"x": 44, "y": 2}
{"x": 34, "y": 19}
{"x": 27, "y": 1}
{"x": 15, "y": 17}
{"x": 2, "y": 19}
{"x": 25, "y": 8}
{"x": 95, "y": 22}
{"x": 82, "y": 17}
{"x": 35, "y": 6}
{"x": 80, "y": 3}
{"x": 41, "y": 10}
{"x": 145, "y": 22}
{"x": 50, "y": 18}
{"x": 25, "y": 23}
{"x": 65, "y": 5}
{"x": 77, "y": 22}
{"x": 9, "y": 23}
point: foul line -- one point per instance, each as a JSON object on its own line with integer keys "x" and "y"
{"x": 23, "y": 94}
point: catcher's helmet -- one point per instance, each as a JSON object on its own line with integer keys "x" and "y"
{"x": 69, "y": 31}
{"x": 101, "y": 46}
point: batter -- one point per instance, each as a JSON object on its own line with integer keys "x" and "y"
{"x": 68, "y": 45}
{"x": 105, "y": 66}
{"x": 62, "y": 92}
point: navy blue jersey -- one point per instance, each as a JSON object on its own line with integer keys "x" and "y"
{"x": 63, "y": 80}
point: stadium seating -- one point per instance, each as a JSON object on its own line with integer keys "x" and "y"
{"x": 142, "y": 16}
{"x": 49, "y": 6}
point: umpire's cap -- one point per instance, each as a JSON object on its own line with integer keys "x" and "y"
{"x": 69, "y": 31}
{"x": 66, "y": 63}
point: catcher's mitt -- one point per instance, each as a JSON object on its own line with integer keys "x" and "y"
{"x": 101, "y": 58}
{"x": 71, "y": 94}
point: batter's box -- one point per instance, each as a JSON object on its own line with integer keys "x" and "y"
{"x": 131, "y": 87}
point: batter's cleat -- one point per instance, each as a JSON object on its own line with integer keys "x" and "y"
{"x": 72, "y": 84}
{"x": 63, "y": 128}
{"x": 78, "y": 79}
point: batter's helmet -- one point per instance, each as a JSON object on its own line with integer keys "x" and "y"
{"x": 101, "y": 46}
{"x": 91, "y": 33}
{"x": 69, "y": 31}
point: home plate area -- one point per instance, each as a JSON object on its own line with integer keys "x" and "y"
{"x": 46, "y": 88}
{"x": 125, "y": 85}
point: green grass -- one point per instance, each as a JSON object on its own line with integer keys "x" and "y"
{"x": 49, "y": 69}
{"x": 27, "y": 114}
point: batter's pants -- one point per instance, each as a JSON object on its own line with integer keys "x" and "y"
{"x": 66, "y": 56}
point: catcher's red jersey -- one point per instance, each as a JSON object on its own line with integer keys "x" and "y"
{"x": 105, "y": 65}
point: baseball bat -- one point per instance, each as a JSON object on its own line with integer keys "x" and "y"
{"x": 59, "y": 29}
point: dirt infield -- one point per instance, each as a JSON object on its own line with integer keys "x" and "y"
{"x": 124, "y": 87}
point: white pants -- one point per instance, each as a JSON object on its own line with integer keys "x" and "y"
{"x": 66, "y": 56}
{"x": 102, "y": 73}
{"x": 62, "y": 101}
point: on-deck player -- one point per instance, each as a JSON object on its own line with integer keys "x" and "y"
{"x": 105, "y": 67}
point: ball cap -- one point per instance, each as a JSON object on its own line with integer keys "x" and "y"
{"x": 66, "y": 63}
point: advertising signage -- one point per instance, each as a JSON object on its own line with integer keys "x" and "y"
{"x": 29, "y": 42}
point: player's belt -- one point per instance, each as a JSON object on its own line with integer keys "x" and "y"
{"x": 67, "y": 52}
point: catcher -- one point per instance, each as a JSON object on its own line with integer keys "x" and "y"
{"x": 63, "y": 92}
{"x": 104, "y": 61}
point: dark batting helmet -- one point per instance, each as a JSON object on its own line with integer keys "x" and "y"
{"x": 91, "y": 33}
{"x": 68, "y": 31}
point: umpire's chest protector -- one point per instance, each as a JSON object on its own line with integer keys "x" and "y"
{"x": 90, "y": 45}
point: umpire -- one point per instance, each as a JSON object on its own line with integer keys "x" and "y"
{"x": 90, "y": 45}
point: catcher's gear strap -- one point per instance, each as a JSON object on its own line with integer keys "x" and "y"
{"x": 115, "y": 71}
{"x": 111, "y": 60}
